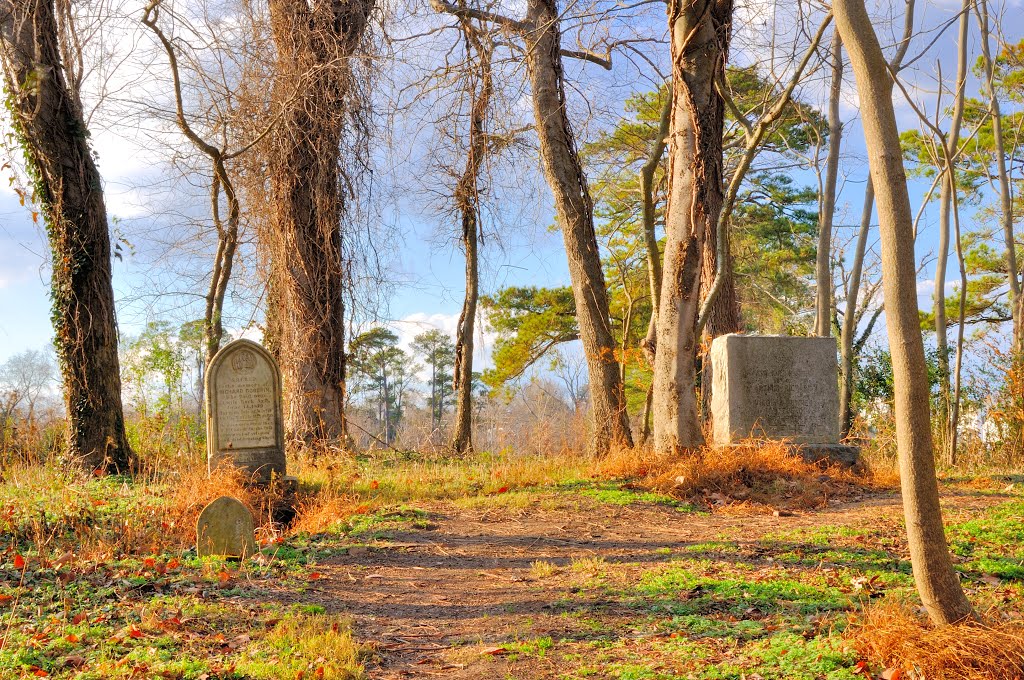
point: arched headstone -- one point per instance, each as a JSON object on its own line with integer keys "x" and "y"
{"x": 244, "y": 422}
{"x": 225, "y": 528}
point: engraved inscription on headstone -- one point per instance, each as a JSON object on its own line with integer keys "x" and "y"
{"x": 777, "y": 387}
{"x": 225, "y": 528}
{"x": 243, "y": 407}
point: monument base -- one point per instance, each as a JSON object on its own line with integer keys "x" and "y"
{"x": 823, "y": 454}
{"x": 829, "y": 454}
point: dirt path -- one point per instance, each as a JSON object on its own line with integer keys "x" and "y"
{"x": 434, "y": 600}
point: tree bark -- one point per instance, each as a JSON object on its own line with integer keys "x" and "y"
{"x": 852, "y": 315}
{"x": 227, "y": 231}
{"x": 823, "y": 268}
{"x": 575, "y": 211}
{"x": 700, "y": 38}
{"x": 1005, "y": 196}
{"x": 315, "y": 44}
{"x": 48, "y": 118}
{"x": 467, "y": 199}
{"x": 936, "y": 580}
{"x": 948, "y": 194}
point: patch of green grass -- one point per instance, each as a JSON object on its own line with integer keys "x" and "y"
{"x": 313, "y": 645}
{"x": 712, "y": 548}
{"x": 820, "y": 535}
{"x": 786, "y": 656}
{"x": 537, "y": 647}
{"x": 377, "y": 525}
{"x": 992, "y": 542}
{"x": 619, "y": 495}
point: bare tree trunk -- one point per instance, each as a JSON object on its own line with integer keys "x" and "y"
{"x": 936, "y": 580}
{"x": 700, "y": 38}
{"x": 227, "y": 232}
{"x": 48, "y": 117}
{"x": 954, "y": 412}
{"x": 467, "y": 198}
{"x": 315, "y": 87}
{"x": 1005, "y": 197}
{"x": 575, "y": 210}
{"x": 649, "y": 343}
{"x": 823, "y": 268}
{"x": 851, "y": 317}
{"x": 947, "y": 195}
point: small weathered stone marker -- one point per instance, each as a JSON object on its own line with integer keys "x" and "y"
{"x": 244, "y": 423}
{"x": 778, "y": 387}
{"x": 225, "y": 528}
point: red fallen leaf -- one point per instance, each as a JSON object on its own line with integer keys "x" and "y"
{"x": 72, "y": 638}
{"x": 861, "y": 667}
{"x": 495, "y": 651}
{"x": 149, "y": 562}
{"x": 99, "y": 503}
{"x": 19, "y": 562}
{"x": 173, "y": 563}
{"x": 319, "y": 672}
{"x": 78, "y": 619}
{"x": 224, "y": 576}
{"x": 40, "y": 673}
{"x": 314, "y": 576}
{"x": 502, "y": 490}
{"x": 5, "y": 598}
{"x": 135, "y": 633}
{"x": 375, "y": 484}
{"x": 219, "y": 637}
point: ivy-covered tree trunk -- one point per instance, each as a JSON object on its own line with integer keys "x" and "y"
{"x": 575, "y": 210}
{"x": 48, "y": 117}
{"x": 315, "y": 43}
{"x": 700, "y": 38}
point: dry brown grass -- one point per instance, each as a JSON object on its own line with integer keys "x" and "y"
{"x": 895, "y": 637}
{"x": 753, "y": 477}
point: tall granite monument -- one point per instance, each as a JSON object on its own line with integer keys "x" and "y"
{"x": 778, "y": 387}
{"x": 244, "y": 422}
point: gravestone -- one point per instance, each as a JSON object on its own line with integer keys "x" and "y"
{"x": 778, "y": 387}
{"x": 225, "y": 529}
{"x": 244, "y": 424}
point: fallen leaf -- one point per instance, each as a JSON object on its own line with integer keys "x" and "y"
{"x": 19, "y": 562}
{"x": 135, "y": 633}
{"x": 5, "y": 598}
{"x": 495, "y": 651}
{"x": 375, "y": 484}
{"x": 315, "y": 576}
{"x": 79, "y": 618}
{"x": 72, "y": 638}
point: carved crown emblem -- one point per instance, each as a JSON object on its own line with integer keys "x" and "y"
{"x": 243, "y": 360}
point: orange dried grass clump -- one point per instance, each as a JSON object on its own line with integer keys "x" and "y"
{"x": 195, "y": 489}
{"x": 754, "y": 475}
{"x": 894, "y": 636}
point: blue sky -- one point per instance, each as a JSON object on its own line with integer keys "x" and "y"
{"x": 419, "y": 252}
